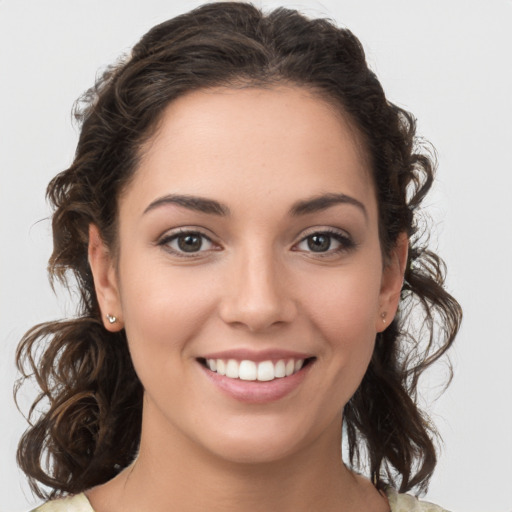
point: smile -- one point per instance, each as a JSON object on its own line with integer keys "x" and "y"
{"x": 256, "y": 377}
{"x": 248, "y": 370}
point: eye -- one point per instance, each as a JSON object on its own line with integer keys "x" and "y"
{"x": 319, "y": 242}
{"x": 187, "y": 243}
{"x": 325, "y": 242}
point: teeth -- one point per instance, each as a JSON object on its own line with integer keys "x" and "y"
{"x": 252, "y": 371}
{"x": 290, "y": 367}
{"x": 221, "y": 367}
{"x": 232, "y": 369}
{"x": 280, "y": 369}
{"x": 248, "y": 370}
{"x": 266, "y": 371}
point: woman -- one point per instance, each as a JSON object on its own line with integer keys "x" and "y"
{"x": 240, "y": 218}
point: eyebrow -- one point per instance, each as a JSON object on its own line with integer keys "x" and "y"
{"x": 210, "y": 206}
{"x": 322, "y": 202}
{"x": 199, "y": 204}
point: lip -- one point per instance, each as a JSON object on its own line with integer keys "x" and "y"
{"x": 257, "y": 356}
{"x": 256, "y": 392}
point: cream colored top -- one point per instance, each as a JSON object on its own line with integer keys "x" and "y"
{"x": 397, "y": 502}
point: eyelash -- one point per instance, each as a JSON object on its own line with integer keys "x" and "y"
{"x": 175, "y": 236}
{"x": 345, "y": 241}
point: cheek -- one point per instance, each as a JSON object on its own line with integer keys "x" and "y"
{"x": 163, "y": 309}
{"x": 342, "y": 308}
{"x": 344, "y": 303}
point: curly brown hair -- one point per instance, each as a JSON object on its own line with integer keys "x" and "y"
{"x": 90, "y": 394}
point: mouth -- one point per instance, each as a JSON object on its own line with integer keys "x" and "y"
{"x": 255, "y": 371}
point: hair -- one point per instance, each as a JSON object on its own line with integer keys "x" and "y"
{"x": 85, "y": 424}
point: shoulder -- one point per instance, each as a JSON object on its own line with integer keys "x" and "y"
{"x": 407, "y": 503}
{"x": 398, "y": 503}
{"x": 77, "y": 503}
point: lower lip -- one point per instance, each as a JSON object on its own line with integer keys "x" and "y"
{"x": 257, "y": 392}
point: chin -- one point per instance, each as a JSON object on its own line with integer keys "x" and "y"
{"x": 254, "y": 452}
{"x": 253, "y": 441}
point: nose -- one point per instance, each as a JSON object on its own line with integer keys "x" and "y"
{"x": 258, "y": 294}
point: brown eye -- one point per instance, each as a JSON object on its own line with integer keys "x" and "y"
{"x": 319, "y": 242}
{"x": 191, "y": 242}
{"x": 186, "y": 243}
{"x": 325, "y": 243}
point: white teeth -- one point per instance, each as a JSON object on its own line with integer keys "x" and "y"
{"x": 232, "y": 369}
{"x": 252, "y": 371}
{"x": 221, "y": 367}
{"x": 290, "y": 367}
{"x": 266, "y": 371}
{"x": 280, "y": 369}
{"x": 248, "y": 370}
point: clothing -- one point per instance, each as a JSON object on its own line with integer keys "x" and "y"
{"x": 407, "y": 503}
{"x": 397, "y": 502}
{"x": 77, "y": 503}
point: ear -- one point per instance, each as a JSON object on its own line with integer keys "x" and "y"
{"x": 392, "y": 281}
{"x": 105, "y": 281}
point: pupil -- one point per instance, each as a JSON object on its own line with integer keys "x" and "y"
{"x": 189, "y": 243}
{"x": 319, "y": 243}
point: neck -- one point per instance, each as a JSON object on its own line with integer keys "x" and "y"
{"x": 301, "y": 481}
{"x": 173, "y": 473}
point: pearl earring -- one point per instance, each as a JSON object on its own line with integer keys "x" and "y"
{"x": 111, "y": 318}
{"x": 383, "y": 316}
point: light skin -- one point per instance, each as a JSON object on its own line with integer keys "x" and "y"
{"x": 250, "y": 225}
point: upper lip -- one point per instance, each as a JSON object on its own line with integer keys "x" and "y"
{"x": 257, "y": 355}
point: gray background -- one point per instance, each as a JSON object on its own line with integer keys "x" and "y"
{"x": 448, "y": 61}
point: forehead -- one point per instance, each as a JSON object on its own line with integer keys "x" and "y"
{"x": 278, "y": 143}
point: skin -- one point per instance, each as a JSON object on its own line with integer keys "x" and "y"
{"x": 255, "y": 284}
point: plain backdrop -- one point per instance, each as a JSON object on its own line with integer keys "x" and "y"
{"x": 447, "y": 61}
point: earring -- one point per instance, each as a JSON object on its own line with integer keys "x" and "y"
{"x": 383, "y": 316}
{"x": 111, "y": 318}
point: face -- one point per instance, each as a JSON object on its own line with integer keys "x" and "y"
{"x": 249, "y": 276}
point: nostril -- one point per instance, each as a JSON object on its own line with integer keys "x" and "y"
{"x": 256, "y": 306}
